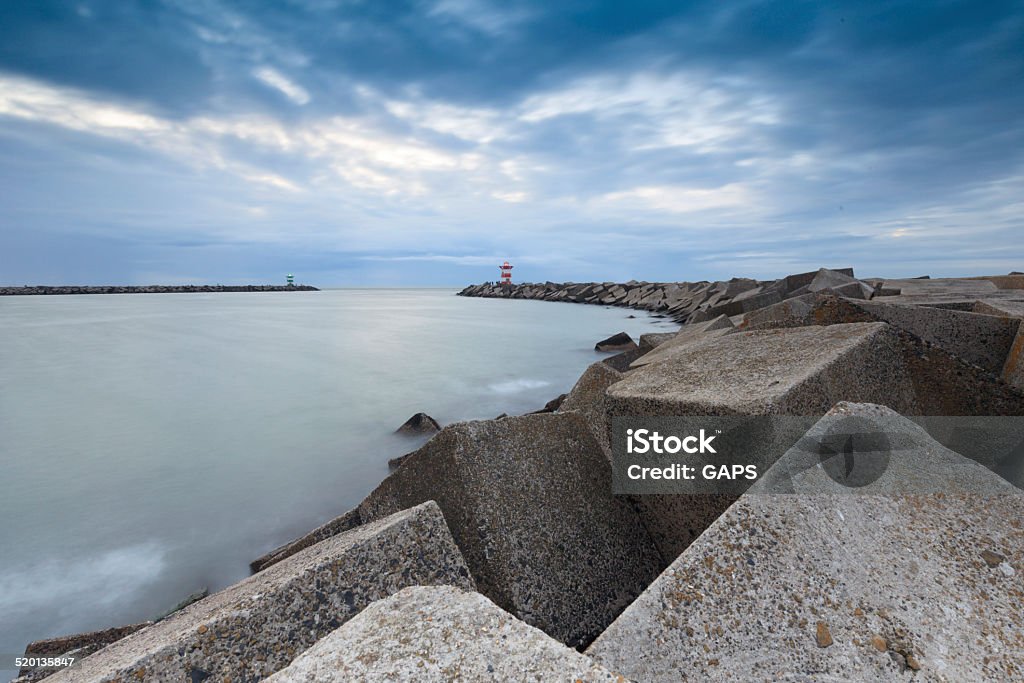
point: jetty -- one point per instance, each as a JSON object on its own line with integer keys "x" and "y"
{"x": 147, "y": 289}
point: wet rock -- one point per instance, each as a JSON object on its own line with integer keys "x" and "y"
{"x": 439, "y": 634}
{"x": 420, "y": 423}
{"x": 617, "y": 342}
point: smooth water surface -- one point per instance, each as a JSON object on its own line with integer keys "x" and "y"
{"x": 154, "y": 444}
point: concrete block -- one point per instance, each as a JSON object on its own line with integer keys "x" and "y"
{"x": 587, "y": 399}
{"x": 943, "y": 383}
{"x": 800, "y": 371}
{"x": 259, "y": 625}
{"x": 799, "y": 280}
{"x": 439, "y": 634}
{"x": 983, "y": 340}
{"x": 822, "y": 585}
{"x": 829, "y": 279}
{"x": 687, "y": 336}
{"x": 745, "y": 304}
{"x": 529, "y": 502}
{"x": 648, "y": 342}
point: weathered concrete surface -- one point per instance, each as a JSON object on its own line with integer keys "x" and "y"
{"x": 439, "y": 634}
{"x": 259, "y": 625}
{"x": 828, "y": 586}
{"x": 1012, "y": 371}
{"x": 802, "y": 371}
{"x": 79, "y": 645}
{"x": 587, "y": 398}
{"x": 687, "y": 336}
{"x": 892, "y": 456}
{"x": 528, "y": 500}
{"x": 798, "y": 371}
{"x": 338, "y": 525}
{"x": 983, "y": 340}
{"x": 943, "y": 383}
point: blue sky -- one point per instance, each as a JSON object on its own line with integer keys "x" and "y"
{"x": 406, "y": 143}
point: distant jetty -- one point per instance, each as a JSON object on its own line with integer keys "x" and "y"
{"x": 151, "y": 289}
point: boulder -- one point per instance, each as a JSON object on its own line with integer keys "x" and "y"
{"x": 529, "y": 502}
{"x": 441, "y": 634}
{"x": 616, "y": 342}
{"x": 420, "y": 423}
{"x": 825, "y": 584}
{"x": 346, "y": 522}
{"x": 687, "y": 336}
{"x": 259, "y": 625}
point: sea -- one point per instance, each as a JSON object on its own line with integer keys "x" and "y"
{"x": 152, "y": 445}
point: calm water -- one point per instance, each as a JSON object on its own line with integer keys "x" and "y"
{"x": 152, "y": 445}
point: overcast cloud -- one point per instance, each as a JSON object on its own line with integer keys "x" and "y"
{"x": 404, "y": 143}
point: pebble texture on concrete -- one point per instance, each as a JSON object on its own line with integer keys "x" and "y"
{"x": 830, "y": 586}
{"x": 799, "y": 371}
{"x": 259, "y": 625}
{"x": 529, "y": 502}
{"x": 440, "y": 634}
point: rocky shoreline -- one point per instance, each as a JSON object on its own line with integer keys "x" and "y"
{"x": 148, "y": 289}
{"x": 497, "y": 550}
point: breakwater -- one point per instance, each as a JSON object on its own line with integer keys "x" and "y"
{"x": 685, "y": 302}
{"x": 149, "y": 289}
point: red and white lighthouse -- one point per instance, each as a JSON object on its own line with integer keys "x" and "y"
{"x": 506, "y": 273}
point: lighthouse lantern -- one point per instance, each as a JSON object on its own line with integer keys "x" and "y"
{"x": 506, "y": 273}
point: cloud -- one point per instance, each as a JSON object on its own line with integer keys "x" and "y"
{"x": 584, "y": 139}
{"x": 276, "y": 80}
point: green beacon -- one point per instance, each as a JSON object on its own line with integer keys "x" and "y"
{"x": 291, "y": 280}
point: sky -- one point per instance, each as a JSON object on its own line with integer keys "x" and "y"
{"x": 401, "y": 143}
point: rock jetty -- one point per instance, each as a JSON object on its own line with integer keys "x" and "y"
{"x": 497, "y": 551}
{"x": 149, "y": 289}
